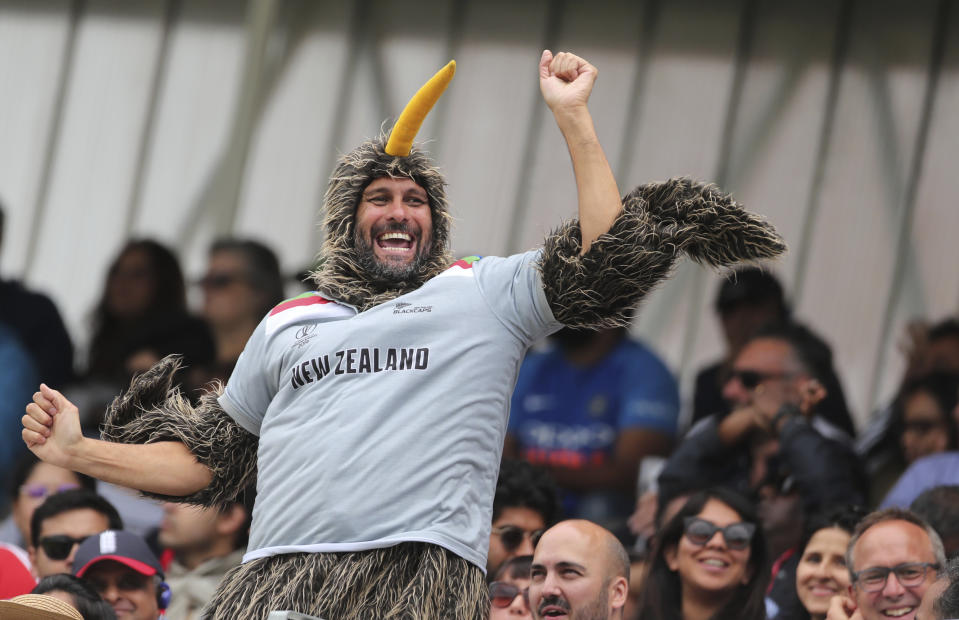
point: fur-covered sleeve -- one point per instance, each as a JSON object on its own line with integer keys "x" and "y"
{"x": 658, "y": 222}
{"x": 153, "y": 410}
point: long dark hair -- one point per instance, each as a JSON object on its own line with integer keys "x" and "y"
{"x": 662, "y": 592}
{"x": 844, "y": 518}
{"x": 109, "y": 346}
{"x": 942, "y": 387}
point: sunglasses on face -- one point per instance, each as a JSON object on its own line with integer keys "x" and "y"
{"x": 700, "y": 531}
{"x": 59, "y": 547}
{"x": 40, "y": 491}
{"x": 512, "y": 536}
{"x": 217, "y": 281}
{"x": 909, "y": 574}
{"x": 750, "y": 379}
{"x": 502, "y": 594}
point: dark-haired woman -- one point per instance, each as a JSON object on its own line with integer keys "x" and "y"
{"x": 709, "y": 562}
{"x": 921, "y": 424}
{"x": 924, "y": 416}
{"x": 142, "y": 316}
{"x": 32, "y": 482}
{"x": 509, "y": 588}
{"x": 820, "y": 571}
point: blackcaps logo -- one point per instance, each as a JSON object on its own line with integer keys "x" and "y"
{"x": 408, "y": 308}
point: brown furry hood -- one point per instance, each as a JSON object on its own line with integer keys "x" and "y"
{"x": 340, "y": 274}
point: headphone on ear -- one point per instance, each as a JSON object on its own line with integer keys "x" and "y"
{"x": 163, "y": 595}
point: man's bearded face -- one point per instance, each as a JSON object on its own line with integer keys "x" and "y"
{"x": 394, "y": 226}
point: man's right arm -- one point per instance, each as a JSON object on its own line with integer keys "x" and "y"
{"x": 51, "y": 429}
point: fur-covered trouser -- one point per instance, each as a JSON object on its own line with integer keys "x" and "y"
{"x": 410, "y": 581}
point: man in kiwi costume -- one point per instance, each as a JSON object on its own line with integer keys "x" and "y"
{"x": 371, "y": 413}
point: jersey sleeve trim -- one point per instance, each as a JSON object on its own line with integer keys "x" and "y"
{"x": 308, "y": 306}
{"x": 462, "y": 268}
{"x": 239, "y": 415}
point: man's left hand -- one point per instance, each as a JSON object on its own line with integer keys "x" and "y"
{"x": 566, "y": 80}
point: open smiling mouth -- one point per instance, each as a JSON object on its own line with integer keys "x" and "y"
{"x": 897, "y": 612}
{"x": 553, "y": 611}
{"x": 395, "y": 242}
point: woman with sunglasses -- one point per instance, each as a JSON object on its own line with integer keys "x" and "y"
{"x": 32, "y": 482}
{"x": 921, "y": 423}
{"x": 709, "y": 562}
{"x": 509, "y": 588}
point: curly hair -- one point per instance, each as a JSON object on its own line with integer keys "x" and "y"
{"x": 521, "y": 484}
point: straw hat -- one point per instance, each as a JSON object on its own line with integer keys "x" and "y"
{"x": 37, "y": 607}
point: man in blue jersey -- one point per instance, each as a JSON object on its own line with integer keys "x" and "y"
{"x": 372, "y": 412}
{"x": 589, "y": 408}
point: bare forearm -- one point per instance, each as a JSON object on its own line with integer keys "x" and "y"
{"x": 596, "y": 189}
{"x": 165, "y": 467}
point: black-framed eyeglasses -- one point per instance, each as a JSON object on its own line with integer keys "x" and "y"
{"x": 58, "y": 547}
{"x": 909, "y": 574}
{"x": 512, "y": 536}
{"x": 700, "y": 531}
{"x": 750, "y": 379}
{"x": 502, "y": 594}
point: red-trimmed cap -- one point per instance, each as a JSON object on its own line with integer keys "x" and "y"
{"x": 124, "y": 547}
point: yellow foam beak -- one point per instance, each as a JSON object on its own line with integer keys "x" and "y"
{"x": 410, "y": 121}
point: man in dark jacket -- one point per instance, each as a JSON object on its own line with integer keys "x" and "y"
{"x": 772, "y": 445}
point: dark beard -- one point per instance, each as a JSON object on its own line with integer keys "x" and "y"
{"x": 596, "y": 609}
{"x": 388, "y": 274}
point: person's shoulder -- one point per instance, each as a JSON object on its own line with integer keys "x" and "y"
{"x": 939, "y": 462}
{"x": 306, "y": 307}
{"x": 462, "y": 267}
{"x": 635, "y": 352}
{"x": 469, "y": 265}
{"x": 15, "y": 568}
{"x": 14, "y": 292}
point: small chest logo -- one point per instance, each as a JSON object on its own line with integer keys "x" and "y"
{"x": 303, "y": 335}
{"x": 407, "y": 308}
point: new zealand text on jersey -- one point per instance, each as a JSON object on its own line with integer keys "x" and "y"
{"x": 356, "y": 361}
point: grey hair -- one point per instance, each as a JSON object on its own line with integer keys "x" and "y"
{"x": 893, "y": 514}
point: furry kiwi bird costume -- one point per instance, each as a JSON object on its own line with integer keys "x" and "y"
{"x": 412, "y": 578}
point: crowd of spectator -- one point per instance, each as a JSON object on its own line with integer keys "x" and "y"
{"x": 768, "y": 506}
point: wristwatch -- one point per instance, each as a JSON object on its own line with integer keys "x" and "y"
{"x": 787, "y": 412}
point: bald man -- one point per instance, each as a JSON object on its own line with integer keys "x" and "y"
{"x": 580, "y": 572}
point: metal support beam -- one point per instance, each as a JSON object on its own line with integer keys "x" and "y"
{"x": 906, "y": 213}
{"x": 554, "y": 23}
{"x": 157, "y": 83}
{"x": 634, "y": 111}
{"x": 344, "y": 90}
{"x": 219, "y": 200}
{"x": 53, "y": 137}
{"x": 840, "y": 51}
{"x": 744, "y": 46}
{"x": 456, "y": 27}
{"x": 224, "y": 202}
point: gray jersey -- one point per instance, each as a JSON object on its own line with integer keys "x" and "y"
{"x": 387, "y": 426}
